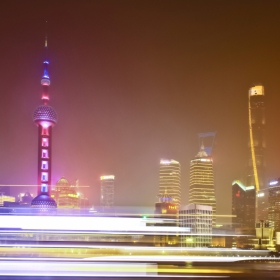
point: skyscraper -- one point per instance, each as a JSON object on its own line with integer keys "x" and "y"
{"x": 243, "y": 205}
{"x": 256, "y": 164}
{"x": 202, "y": 191}
{"x": 262, "y": 202}
{"x": 45, "y": 118}
{"x": 170, "y": 180}
{"x": 274, "y": 204}
{"x": 107, "y": 191}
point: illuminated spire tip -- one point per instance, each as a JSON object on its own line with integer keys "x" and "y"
{"x": 46, "y": 37}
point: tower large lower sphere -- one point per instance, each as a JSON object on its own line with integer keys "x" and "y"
{"x": 45, "y": 118}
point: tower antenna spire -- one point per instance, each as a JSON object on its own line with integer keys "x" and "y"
{"x": 46, "y": 35}
{"x": 45, "y": 81}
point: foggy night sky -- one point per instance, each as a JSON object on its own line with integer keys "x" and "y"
{"x": 133, "y": 82}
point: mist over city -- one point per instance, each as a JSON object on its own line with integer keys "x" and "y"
{"x": 149, "y": 125}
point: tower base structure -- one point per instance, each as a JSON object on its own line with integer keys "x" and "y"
{"x": 43, "y": 203}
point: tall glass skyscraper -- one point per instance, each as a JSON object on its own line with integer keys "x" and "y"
{"x": 202, "y": 191}
{"x": 170, "y": 180}
{"x": 256, "y": 163}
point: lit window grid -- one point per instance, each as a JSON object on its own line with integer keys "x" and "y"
{"x": 274, "y": 207}
{"x": 202, "y": 189}
{"x": 201, "y": 173}
{"x": 107, "y": 193}
{"x": 170, "y": 181}
{"x": 4, "y": 198}
{"x": 202, "y": 223}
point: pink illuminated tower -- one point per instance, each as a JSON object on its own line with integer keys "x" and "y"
{"x": 45, "y": 118}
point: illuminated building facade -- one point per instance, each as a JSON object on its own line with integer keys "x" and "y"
{"x": 262, "y": 202}
{"x": 166, "y": 206}
{"x": 202, "y": 191}
{"x": 45, "y": 118}
{"x": 170, "y": 180}
{"x": 6, "y": 198}
{"x": 65, "y": 195}
{"x": 256, "y": 163}
{"x": 166, "y": 209}
{"x": 243, "y": 205}
{"x": 199, "y": 219}
{"x": 274, "y": 204}
{"x": 107, "y": 191}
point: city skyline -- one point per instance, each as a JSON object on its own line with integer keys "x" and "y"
{"x": 127, "y": 94}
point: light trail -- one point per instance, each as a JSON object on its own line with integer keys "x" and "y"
{"x": 45, "y": 267}
{"x": 76, "y": 223}
{"x": 53, "y": 186}
{"x": 94, "y": 232}
{"x": 132, "y": 248}
{"x": 92, "y": 224}
{"x": 142, "y": 259}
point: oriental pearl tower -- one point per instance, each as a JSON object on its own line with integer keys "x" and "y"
{"x": 45, "y": 118}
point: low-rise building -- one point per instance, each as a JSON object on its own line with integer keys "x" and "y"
{"x": 199, "y": 219}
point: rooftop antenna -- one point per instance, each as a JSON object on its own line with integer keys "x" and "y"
{"x": 202, "y": 140}
{"x": 46, "y": 35}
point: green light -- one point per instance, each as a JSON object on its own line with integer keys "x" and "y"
{"x": 144, "y": 217}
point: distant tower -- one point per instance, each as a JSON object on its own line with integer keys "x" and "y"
{"x": 256, "y": 164}
{"x": 45, "y": 118}
{"x": 170, "y": 180}
{"x": 202, "y": 191}
{"x": 243, "y": 205}
{"x": 273, "y": 204}
{"x": 107, "y": 191}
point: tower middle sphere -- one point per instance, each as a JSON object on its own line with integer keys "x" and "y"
{"x": 45, "y": 115}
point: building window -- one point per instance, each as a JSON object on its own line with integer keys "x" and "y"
{"x": 44, "y": 176}
{"x": 45, "y": 142}
{"x": 44, "y": 188}
{"x": 45, "y": 131}
{"x": 45, "y": 165}
{"x": 45, "y": 154}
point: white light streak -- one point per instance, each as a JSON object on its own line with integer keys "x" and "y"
{"x": 97, "y": 224}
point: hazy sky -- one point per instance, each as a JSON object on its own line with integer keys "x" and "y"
{"x": 134, "y": 82}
